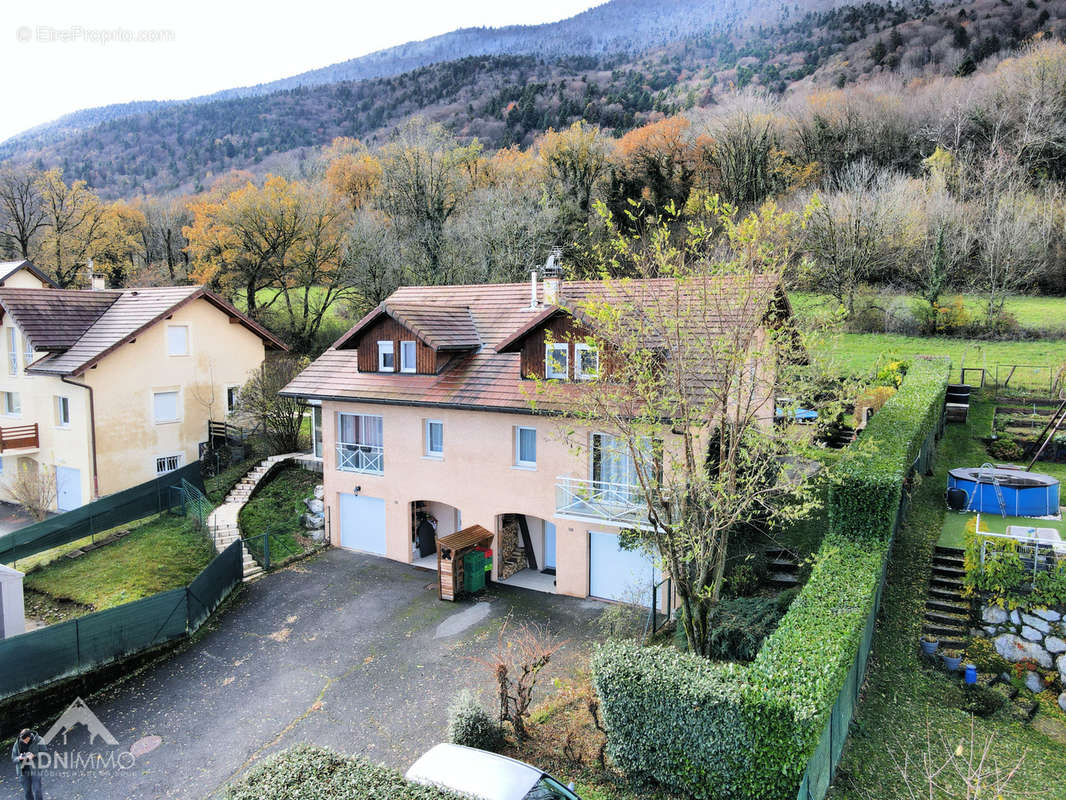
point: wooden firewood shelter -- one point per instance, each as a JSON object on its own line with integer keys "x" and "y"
{"x": 450, "y": 552}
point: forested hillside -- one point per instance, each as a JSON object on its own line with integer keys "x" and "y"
{"x": 504, "y": 100}
{"x": 613, "y": 28}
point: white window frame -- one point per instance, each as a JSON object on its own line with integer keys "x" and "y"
{"x": 549, "y": 360}
{"x": 62, "y": 404}
{"x": 232, "y": 406}
{"x": 317, "y": 440}
{"x": 405, "y": 365}
{"x": 177, "y": 406}
{"x": 12, "y": 352}
{"x": 518, "y": 460}
{"x": 188, "y": 346}
{"x": 169, "y": 463}
{"x": 427, "y": 436}
{"x": 27, "y": 352}
{"x": 12, "y": 404}
{"x": 386, "y": 348}
{"x": 579, "y": 372}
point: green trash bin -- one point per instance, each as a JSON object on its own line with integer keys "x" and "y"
{"x": 473, "y": 571}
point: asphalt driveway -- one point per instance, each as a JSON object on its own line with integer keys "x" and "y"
{"x": 343, "y": 650}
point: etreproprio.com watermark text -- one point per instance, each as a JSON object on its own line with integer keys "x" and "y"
{"x": 73, "y": 34}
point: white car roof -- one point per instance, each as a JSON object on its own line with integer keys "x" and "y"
{"x": 474, "y": 772}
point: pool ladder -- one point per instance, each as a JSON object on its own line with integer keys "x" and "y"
{"x": 995, "y": 485}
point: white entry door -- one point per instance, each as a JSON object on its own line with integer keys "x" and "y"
{"x": 617, "y": 574}
{"x": 68, "y": 488}
{"x": 363, "y": 523}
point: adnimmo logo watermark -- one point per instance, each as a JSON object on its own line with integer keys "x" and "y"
{"x": 76, "y": 34}
{"x": 69, "y": 750}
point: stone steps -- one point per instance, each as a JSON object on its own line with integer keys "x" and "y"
{"x": 225, "y": 533}
{"x": 947, "y": 612}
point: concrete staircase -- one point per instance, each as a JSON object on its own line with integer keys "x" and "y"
{"x": 947, "y": 612}
{"x": 224, "y": 519}
{"x": 782, "y": 568}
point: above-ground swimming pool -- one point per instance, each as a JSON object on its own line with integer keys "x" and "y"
{"x": 1025, "y": 494}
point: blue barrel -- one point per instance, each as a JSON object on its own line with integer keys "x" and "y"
{"x": 970, "y": 676}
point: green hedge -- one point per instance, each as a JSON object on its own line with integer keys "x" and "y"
{"x": 867, "y": 483}
{"x": 305, "y": 772}
{"x": 714, "y": 730}
{"x": 674, "y": 718}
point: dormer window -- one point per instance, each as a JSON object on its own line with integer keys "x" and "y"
{"x": 557, "y": 361}
{"x": 386, "y": 357}
{"x": 407, "y": 357}
{"x": 586, "y": 362}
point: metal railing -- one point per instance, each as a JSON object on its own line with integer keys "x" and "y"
{"x": 272, "y": 549}
{"x": 653, "y": 625}
{"x": 192, "y": 503}
{"x": 1036, "y": 554}
{"x": 19, "y": 436}
{"x": 617, "y": 503}
{"x": 361, "y": 458}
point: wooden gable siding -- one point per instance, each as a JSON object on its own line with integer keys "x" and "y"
{"x": 388, "y": 329}
{"x": 563, "y": 328}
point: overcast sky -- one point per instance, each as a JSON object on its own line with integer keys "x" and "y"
{"x": 60, "y": 56}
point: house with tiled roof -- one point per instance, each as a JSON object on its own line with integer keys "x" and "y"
{"x": 106, "y": 389}
{"x": 424, "y": 421}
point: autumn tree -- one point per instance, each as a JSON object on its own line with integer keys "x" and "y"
{"x": 575, "y": 160}
{"x": 690, "y": 371}
{"x": 22, "y": 210}
{"x": 653, "y": 167}
{"x": 317, "y": 273}
{"x": 242, "y": 241}
{"x": 1013, "y": 228}
{"x": 427, "y": 175}
{"x": 280, "y": 418}
{"x": 855, "y": 232}
{"x": 74, "y": 223}
{"x": 118, "y": 252}
{"x": 352, "y": 171}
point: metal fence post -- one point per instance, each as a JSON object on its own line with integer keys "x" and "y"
{"x": 266, "y": 551}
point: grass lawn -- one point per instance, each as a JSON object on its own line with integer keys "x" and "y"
{"x": 276, "y": 508}
{"x": 856, "y": 353}
{"x": 163, "y": 552}
{"x": 905, "y": 706}
{"x": 1040, "y": 313}
{"x": 955, "y": 524}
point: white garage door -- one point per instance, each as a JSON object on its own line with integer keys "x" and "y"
{"x": 617, "y": 574}
{"x": 363, "y": 523}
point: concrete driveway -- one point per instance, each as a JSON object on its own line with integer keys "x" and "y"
{"x": 344, "y": 650}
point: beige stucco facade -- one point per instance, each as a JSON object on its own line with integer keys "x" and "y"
{"x": 476, "y": 475}
{"x": 129, "y": 439}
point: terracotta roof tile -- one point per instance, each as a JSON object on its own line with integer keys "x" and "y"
{"x": 487, "y": 379}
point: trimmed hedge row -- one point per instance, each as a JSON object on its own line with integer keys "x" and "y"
{"x": 716, "y": 730}
{"x": 674, "y": 717}
{"x": 306, "y": 772}
{"x": 867, "y": 483}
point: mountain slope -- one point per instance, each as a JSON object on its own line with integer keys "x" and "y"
{"x": 615, "y": 27}
{"x": 509, "y": 99}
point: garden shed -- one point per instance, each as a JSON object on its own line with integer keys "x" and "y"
{"x": 452, "y": 551}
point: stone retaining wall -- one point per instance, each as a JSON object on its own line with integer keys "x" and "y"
{"x": 1037, "y": 635}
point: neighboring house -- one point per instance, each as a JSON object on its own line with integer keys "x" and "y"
{"x": 23, "y": 275}
{"x": 422, "y": 419}
{"x": 112, "y": 388}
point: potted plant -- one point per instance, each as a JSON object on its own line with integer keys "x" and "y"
{"x": 952, "y": 659}
{"x": 929, "y": 644}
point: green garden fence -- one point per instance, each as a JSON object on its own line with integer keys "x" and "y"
{"x": 100, "y": 515}
{"x": 70, "y": 648}
{"x": 826, "y": 756}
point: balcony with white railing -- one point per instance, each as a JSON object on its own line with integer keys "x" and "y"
{"x": 366, "y": 458}
{"x": 601, "y": 501}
